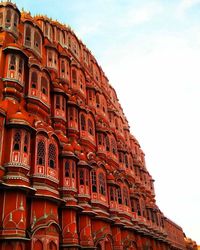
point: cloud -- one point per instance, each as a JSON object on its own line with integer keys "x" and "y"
{"x": 184, "y": 6}
{"x": 140, "y": 15}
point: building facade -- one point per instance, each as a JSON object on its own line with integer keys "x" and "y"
{"x": 71, "y": 174}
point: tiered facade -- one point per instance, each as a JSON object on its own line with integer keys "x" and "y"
{"x": 71, "y": 174}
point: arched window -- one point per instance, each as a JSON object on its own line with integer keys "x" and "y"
{"x": 94, "y": 181}
{"x": 119, "y": 195}
{"x": 15, "y": 20}
{"x": 26, "y": 143}
{"x": 34, "y": 80}
{"x": 8, "y": 18}
{"x": 20, "y": 66}
{"x": 102, "y": 184}
{"x": 17, "y": 141}
{"x": 28, "y": 36}
{"x": 1, "y": 19}
{"x": 67, "y": 169}
{"x": 112, "y": 195}
{"x": 81, "y": 177}
{"x": 74, "y": 76}
{"x": 37, "y": 41}
{"x": 97, "y": 101}
{"x": 12, "y": 65}
{"x": 125, "y": 194}
{"x": 41, "y": 153}
{"x": 52, "y": 155}
{"x": 57, "y": 102}
{"x": 90, "y": 127}
{"x": 107, "y": 143}
{"x": 83, "y": 123}
{"x": 114, "y": 147}
{"x": 63, "y": 67}
{"x": 44, "y": 86}
{"x": 126, "y": 161}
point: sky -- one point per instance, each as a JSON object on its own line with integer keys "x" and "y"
{"x": 150, "y": 52}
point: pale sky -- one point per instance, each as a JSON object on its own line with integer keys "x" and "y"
{"x": 150, "y": 51}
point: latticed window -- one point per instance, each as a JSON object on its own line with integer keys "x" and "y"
{"x": 119, "y": 195}
{"x": 63, "y": 66}
{"x": 83, "y": 123}
{"x": 17, "y": 141}
{"x": 125, "y": 194}
{"x": 44, "y": 85}
{"x": 8, "y": 18}
{"x": 114, "y": 146}
{"x": 37, "y": 40}
{"x": 102, "y": 184}
{"x": 20, "y": 66}
{"x": 34, "y": 80}
{"x": 126, "y": 160}
{"x": 112, "y": 193}
{"x": 90, "y": 127}
{"x": 26, "y": 141}
{"x": 52, "y": 155}
{"x": 81, "y": 177}
{"x": 73, "y": 166}
{"x": 12, "y": 65}
{"x": 74, "y": 76}
{"x": 94, "y": 181}
{"x": 67, "y": 169}
{"x": 28, "y": 36}
{"x": 107, "y": 143}
{"x": 41, "y": 153}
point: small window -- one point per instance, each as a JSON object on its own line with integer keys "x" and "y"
{"x": 20, "y": 66}
{"x": 94, "y": 181}
{"x": 81, "y": 177}
{"x": 112, "y": 196}
{"x": 37, "y": 41}
{"x": 41, "y": 153}
{"x": 126, "y": 161}
{"x": 67, "y": 169}
{"x": 83, "y": 123}
{"x": 52, "y": 156}
{"x": 57, "y": 102}
{"x": 119, "y": 195}
{"x": 125, "y": 194}
{"x": 8, "y": 18}
{"x": 17, "y": 141}
{"x": 73, "y": 169}
{"x": 74, "y": 76}
{"x": 63, "y": 103}
{"x": 26, "y": 143}
{"x": 12, "y": 65}
{"x": 107, "y": 143}
{"x": 90, "y": 127}
{"x": 15, "y": 20}
{"x": 1, "y": 19}
{"x": 28, "y": 36}
{"x": 97, "y": 101}
{"x": 63, "y": 66}
{"x": 71, "y": 114}
{"x": 44, "y": 86}
{"x": 34, "y": 80}
{"x": 114, "y": 146}
{"x": 102, "y": 184}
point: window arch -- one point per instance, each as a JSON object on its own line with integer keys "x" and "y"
{"x": 74, "y": 76}
{"x": 107, "y": 143}
{"x": 102, "y": 184}
{"x": 52, "y": 155}
{"x": 126, "y": 196}
{"x": 26, "y": 142}
{"x": 12, "y": 65}
{"x": 119, "y": 195}
{"x": 17, "y": 141}
{"x": 41, "y": 153}
{"x": 34, "y": 80}
{"x": 37, "y": 41}
{"x": 8, "y": 18}
{"x": 83, "y": 122}
{"x": 44, "y": 86}
{"x": 67, "y": 169}
{"x": 90, "y": 127}
{"x": 28, "y": 36}
{"x": 94, "y": 181}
